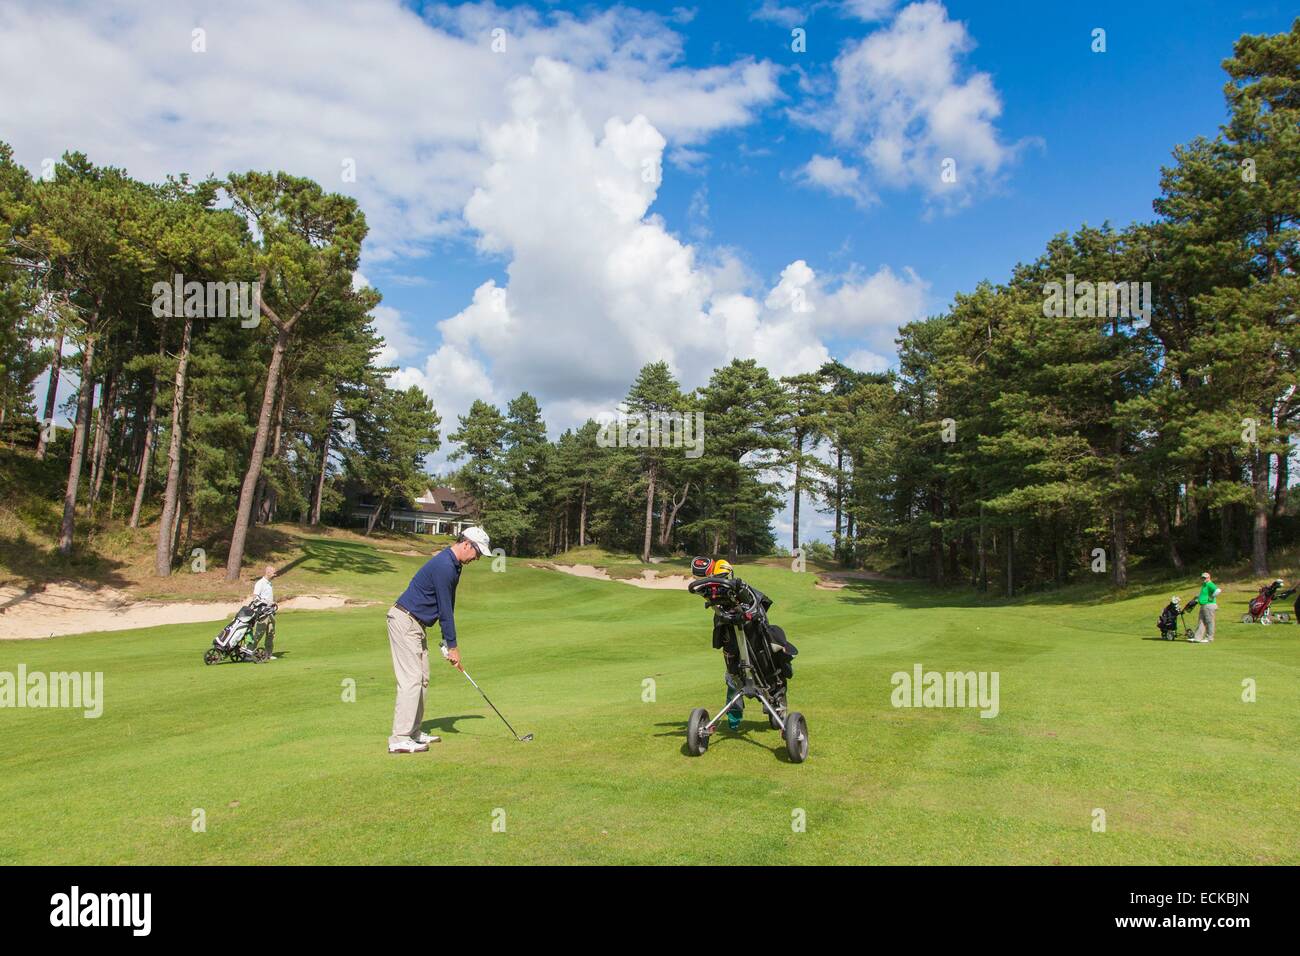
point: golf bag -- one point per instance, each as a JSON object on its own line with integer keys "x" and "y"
{"x": 239, "y": 640}
{"x": 1260, "y": 609}
{"x": 1169, "y": 620}
{"x": 759, "y": 632}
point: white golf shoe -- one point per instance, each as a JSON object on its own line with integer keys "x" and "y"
{"x": 428, "y": 739}
{"x": 408, "y": 747}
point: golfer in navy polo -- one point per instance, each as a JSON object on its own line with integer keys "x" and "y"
{"x": 431, "y": 596}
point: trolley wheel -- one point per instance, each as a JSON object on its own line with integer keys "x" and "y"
{"x": 796, "y": 737}
{"x": 696, "y": 740}
{"x": 1248, "y": 619}
{"x": 1265, "y": 620}
{"x": 260, "y": 655}
{"x": 211, "y": 656}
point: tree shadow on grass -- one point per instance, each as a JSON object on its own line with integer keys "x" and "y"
{"x": 742, "y": 734}
{"x": 328, "y": 557}
{"x": 332, "y": 557}
{"x": 36, "y": 565}
{"x": 263, "y": 545}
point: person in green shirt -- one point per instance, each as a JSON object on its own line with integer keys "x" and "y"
{"x": 1208, "y": 600}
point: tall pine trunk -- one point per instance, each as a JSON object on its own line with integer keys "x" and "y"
{"x": 112, "y": 496}
{"x": 1259, "y": 535}
{"x": 167, "y": 523}
{"x": 1119, "y": 545}
{"x": 85, "y": 391}
{"x": 839, "y": 495}
{"x": 582, "y": 518}
{"x": 1167, "y": 535}
{"x": 146, "y": 455}
{"x": 319, "y": 491}
{"x": 649, "y": 511}
{"x": 1011, "y": 561}
{"x": 1282, "y": 480}
{"x": 100, "y": 427}
{"x": 239, "y": 538}
{"x": 798, "y": 479}
{"x": 183, "y": 501}
{"x": 266, "y": 495}
{"x": 105, "y": 440}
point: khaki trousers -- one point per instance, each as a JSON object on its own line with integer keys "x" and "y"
{"x": 411, "y": 666}
{"x": 1205, "y": 626}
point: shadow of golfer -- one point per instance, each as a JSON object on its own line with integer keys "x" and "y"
{"x": 446, "y": 725}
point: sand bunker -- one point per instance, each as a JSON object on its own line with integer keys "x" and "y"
{"x": 648, "y": 579}
{"x": 73, "y": 609}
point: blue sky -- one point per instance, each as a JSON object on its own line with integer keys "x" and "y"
{"x": 1099, "y": 126}
{"x": 559, "y": 193}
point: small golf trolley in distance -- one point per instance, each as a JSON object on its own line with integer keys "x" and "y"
{"x": 241, "y": 639}
{"x": 1260, "y": 610}
{"x": 757, "y": 664}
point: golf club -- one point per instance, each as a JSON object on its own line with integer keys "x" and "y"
{"x": 525, "y": 737}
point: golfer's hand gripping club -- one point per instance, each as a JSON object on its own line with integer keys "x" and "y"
{"x": 451, "y": 655}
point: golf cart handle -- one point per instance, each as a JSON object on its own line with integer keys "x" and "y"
{"x": 696, "y": 586}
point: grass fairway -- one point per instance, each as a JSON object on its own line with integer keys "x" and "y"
{"x": 1091, "y": 716}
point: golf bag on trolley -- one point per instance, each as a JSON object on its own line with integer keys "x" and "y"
{"x": 757, "y": 655}
{"x": 1169, "y": 620}
{"x": 240, "y": 640}
{"x": 1260, "y": 609}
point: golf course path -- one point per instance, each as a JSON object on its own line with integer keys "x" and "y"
{"x": 71, "y": 609}
{"x": 648, "y": 579}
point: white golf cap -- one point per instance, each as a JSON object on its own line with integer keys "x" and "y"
{"x": 479, "y": 538}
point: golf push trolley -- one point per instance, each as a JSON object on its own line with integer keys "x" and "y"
{"x": 1260, "y": 610}
{"x": 757, "y": 656}
{"x": 241, "y": 639}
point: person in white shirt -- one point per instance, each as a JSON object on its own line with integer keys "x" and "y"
{"x": 262, "y": 591}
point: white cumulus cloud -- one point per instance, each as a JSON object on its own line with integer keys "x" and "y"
{"x": 913, "y": 112}
{"x": 597, "y": 285}
{"x": 830, "y": 173}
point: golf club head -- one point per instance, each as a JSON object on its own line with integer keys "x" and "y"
{"x": 526, "y": 737}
